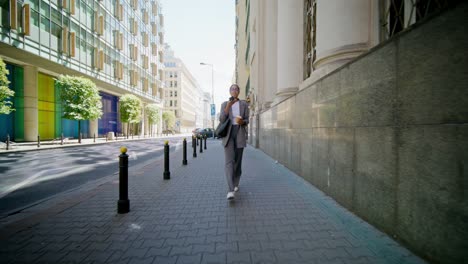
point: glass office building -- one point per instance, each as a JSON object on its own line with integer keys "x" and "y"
{"x": 118, "y": 44}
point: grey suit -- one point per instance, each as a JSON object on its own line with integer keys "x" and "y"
{"x": 234, "y": 144}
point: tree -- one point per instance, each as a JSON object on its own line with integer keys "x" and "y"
{"x": 5, "y": 92}
{"x": 169, "y": 119}
{"x": 80, "y": 98}
{"x": 130, "y": 109}
{"x": 152, "y": 111}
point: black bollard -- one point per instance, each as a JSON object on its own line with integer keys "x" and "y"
{"x": 201, "y": 144}
{"x": 94, "y": 137}
{"x": 197, "y": 139}
{"x": 205, "y": 140}
{"x": 7, "y": 142}
{"x": 184, "y": 155}
{"x": 167, "y": 173}
{"x": 38, "y": 141}
{"x": 123, "y": 205}
{"x": 80, "y": 137}
{"x": 61, "y": 139}
{"x": 194, "y": 146}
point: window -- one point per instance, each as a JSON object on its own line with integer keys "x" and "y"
{"x": 171, "y": 93}
{"x": 310, "y": 53}
{"x": 396, "y": 15}
{"x": 170, "y": 103}
{"x": 175, "y": 103}
{"x": 175, "y": 93}
{"x": 175, "y": 83}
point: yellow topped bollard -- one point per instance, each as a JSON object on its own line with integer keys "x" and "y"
{"x": 167, "y": 173}
{"x": 123, "y": 205}
{"x": 184, "y": 152}
{"x": 123, "y": 150}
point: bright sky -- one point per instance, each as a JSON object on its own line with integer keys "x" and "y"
{"x": 203, "y": 31}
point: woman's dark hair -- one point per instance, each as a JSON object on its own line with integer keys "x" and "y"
{"x": 234, "y": 84}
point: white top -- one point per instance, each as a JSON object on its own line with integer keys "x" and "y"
{"x": 235, "y": 112}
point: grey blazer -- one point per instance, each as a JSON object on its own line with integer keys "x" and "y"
{"x": 242, "y": 136}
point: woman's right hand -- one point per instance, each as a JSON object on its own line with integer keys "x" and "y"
{"x": 229, "y": 104}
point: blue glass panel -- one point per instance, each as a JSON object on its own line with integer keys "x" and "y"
{"x": 8, "y": 122}
{"x": 109, "y": 120}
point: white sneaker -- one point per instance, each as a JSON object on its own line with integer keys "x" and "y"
{"x": 230, "y": 196}
{"x": 236, "y": 189}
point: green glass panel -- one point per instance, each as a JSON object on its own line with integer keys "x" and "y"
{"x": 35, "y": 18}
{"x": 45, "y": 9}
{"x": 34, "y": 4}
{"x": 56, "y": 17}
{"x": 45, "y": 24}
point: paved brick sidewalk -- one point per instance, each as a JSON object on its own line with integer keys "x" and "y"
{"x": 276, "y": 218}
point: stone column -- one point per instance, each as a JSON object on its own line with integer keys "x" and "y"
{"x": 93, "y": 128}
{"x": 345, "y": 29}
{"x": 269, "y": 59}
{"x": 289, "y": 48}
{"x": 31, "y": 119}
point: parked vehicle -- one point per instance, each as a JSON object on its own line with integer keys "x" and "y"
{"x": 168, "y": 131}
{"x": 208, "y": 132}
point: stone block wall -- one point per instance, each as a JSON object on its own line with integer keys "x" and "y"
{"x": 387, "y": 136}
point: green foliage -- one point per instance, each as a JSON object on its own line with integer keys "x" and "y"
{"x": 5, "y": 92}
{"x": 130, "y": 108}
{"x": 80, "y": 97}
{"x": 152, "y": 112}
{"x": 169, "y": 119}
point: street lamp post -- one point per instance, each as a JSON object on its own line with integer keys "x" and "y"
{"x": 212, "y": 92}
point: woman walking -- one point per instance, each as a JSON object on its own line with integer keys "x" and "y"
{"x": 235, "y": 141}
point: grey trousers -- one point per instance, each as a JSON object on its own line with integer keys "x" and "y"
{"x": 233, "y": 160}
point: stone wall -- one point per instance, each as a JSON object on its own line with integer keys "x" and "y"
{"x": 387, "y": 136}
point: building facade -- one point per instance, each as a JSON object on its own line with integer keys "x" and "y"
{"x": 207, "y": 110}
{"x": 366, "y": 100}
{"x": 183, "y": 95}
{"x": 116, "y": 44}
{"x": 242, "y": 46}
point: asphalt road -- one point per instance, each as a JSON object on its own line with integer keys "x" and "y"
{"x": 29, "y": 177}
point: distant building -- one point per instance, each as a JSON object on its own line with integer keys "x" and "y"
{"x": 183, "y": 95}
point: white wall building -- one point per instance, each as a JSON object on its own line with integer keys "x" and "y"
{"x": 182, "y": 95}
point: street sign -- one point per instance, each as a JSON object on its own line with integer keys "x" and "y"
{"x": 213, "y": 111}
